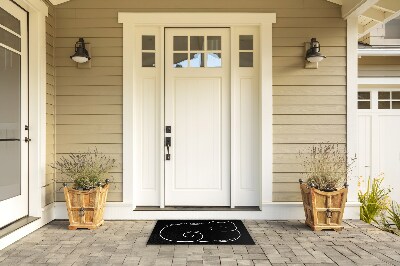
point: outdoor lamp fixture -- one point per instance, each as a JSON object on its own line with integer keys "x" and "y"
{"x": 81, "y": 54}
{"x": 313, "y": 55}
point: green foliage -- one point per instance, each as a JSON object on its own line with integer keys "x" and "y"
{"x": 86, "y": 169}
{"x": 394, "y": 214}
{"x": 390, "y": 220}
{"x": 325, "y": 166}
{"x": 374, "y": 201}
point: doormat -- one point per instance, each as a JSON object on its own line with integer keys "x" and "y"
{"x": 200, "y": 232}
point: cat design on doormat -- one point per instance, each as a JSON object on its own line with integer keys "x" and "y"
{"x": 201, "y": 232}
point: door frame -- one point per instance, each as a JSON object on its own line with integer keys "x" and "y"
{"x": 37, "y": 12}
{"x": 131, "y": 118}
{"x": 191, "y": 196}
{"x": 20, "y": 200}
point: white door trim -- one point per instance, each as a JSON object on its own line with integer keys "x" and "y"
{"x": 37, "y": 102}
{"x": 131, "y": 124}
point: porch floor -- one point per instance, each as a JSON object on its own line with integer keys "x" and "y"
{"x": 278, "y": 243}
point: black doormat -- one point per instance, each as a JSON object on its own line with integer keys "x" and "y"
{"x": 200, "y": 232}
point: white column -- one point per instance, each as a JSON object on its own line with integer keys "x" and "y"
{"x": 352, "y": 87}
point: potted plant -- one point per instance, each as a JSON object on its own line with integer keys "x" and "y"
{"x": 324, "y": 192}
{"x": 86, "y": 198}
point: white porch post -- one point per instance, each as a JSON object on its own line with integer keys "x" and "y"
{"x": 352, "y": 84}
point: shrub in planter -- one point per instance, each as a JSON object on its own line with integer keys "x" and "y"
{"x": 324, "y": 191}
{"x": 85, "y": 200}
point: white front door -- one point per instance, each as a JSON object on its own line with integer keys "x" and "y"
{"x": 197, "y": 108}
{"x": 13, "y": 113}
{"x": 378, "y": 137}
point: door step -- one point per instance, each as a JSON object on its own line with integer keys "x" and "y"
{"x": 8, "y": 229}
{"x": 196, "y": 208}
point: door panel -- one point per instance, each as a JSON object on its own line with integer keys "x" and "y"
{"x": 378, "y": 138}
{"x": 197, "y": 108}
{"x": 389, "y": 153}
{"x": 198, "y": 133}
{"x": 13, "y": 113}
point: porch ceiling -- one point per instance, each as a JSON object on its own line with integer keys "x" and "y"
{"x": 371, "y": 13}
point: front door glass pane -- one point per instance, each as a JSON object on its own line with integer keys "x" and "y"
{"x": 10, "y": 22}
{"x": 10, "y": 39}
{"x": 10, "y": 124}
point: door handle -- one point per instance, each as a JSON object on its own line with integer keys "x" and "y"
{"x": 168, "y": 144}
{"x": 27, "y": 139}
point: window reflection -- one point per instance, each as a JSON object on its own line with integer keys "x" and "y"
{"x": 197, "y": 60}
{"x": 214, "y": 60}
{"x": 180, "y": 60}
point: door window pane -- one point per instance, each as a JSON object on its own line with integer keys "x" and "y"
{"x": 180, "y": 43}
{"x": 197, "y": 60}
{"x": 384, "y": 95}
{"x": 10, "y": 39}
{"x": 384, "y": 105}
{"x": 7, "y": 20}
{"x": 364, "y": 105}
{"x": 214, "y": 60}
{"x": 396, "y": 105}
{"x": 148, "y": 59}
{"x": 396, "y": 95}
{"x": 364, "y": 95}
{"x": 246, "y": 42}
{"x": 246, "y": 59}
{"x": 148, "y": 42}
{"x": 214, "y": 43}
{"x": 180, "y": 60}
{"x": 10, "y": 134}
{"x": 197, "y": 43}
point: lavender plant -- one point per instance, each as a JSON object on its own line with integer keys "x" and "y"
{"x": 86, "y": 170}
{"x": 325, "y": 166}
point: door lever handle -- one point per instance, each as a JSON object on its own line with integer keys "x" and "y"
{"x": 168, "y": 144}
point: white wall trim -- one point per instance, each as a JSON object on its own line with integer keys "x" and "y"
{"x": 270, "y": 211}
{"x": 379, "y": 80}
{"x": 379, "y": 52}
{"x": 352, "y": 88}
{"x": 131, "y": 122}
{"x": 47, "y": 216}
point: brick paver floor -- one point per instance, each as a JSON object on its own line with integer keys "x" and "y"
{"x": 278, "y": 243}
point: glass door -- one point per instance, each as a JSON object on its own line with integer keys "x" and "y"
{"x": 13, "y": 113}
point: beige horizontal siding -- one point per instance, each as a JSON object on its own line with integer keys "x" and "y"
{"x": 49, "y": 184}
{"x": 309, "y": 104}
{"x": 379, "y": 66}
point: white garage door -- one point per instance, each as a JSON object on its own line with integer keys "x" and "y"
{"x": 379, "y": 136}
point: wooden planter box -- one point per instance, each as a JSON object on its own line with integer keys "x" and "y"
{"x": 85, "y": 207}
{"x": 323, "y": 210}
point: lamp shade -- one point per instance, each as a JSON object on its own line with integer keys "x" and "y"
{"x": 81, "y": 54}
{"x": 313, "y": 54}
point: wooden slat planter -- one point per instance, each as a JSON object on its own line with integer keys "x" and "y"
{"x": 85, "y": 207}
{"x": 323, "y": 210}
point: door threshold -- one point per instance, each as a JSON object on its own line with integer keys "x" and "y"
{"x": 8, "y": 229}
{"x": 196, "y": 208}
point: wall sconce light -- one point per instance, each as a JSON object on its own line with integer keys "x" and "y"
{"x": 81, "y": 54}
{"x": 313, "y": 55}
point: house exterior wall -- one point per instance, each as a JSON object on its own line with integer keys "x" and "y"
{"x": 309, "y": 104}
{"x": 48, "y": 189}
{"x": 379, "y": 66}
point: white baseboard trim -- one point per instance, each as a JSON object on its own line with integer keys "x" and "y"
{"x": 270, "y": 211}
{"x": 47, "y": 216}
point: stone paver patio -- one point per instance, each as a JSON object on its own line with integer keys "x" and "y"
{"x": 278, "y": 243}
